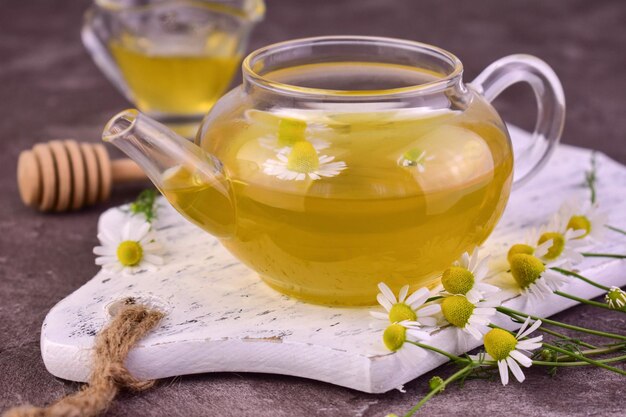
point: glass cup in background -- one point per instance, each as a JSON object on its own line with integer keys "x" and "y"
{"x": 173, "y": 59}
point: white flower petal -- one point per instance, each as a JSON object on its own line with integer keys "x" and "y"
{"x": 126, "y": 231}
{"x": 428, "y": 321}
{"x": 484, "y": 311}
{"x": 382, "y": 300}
{"x": 521, "y": 358}
{"x": 471, "y": 329}
{"x": 429, "y": 310}
{"x": 473, "y": 295}
{"x": 515, "y": 369}
{"x": 379, "y": 315}
{"x": 504, "y": 372}
{"x": 418, "y": 298}
{"x": 103, "y": 260}
{"x": 403, "y": 292}
{"x": 523, "y": 327}
{"x": 527, "y": 345}
{"x": 104, "y": 250}
{"x": 106, "y": 239}
{"x": 418, "y": 335}
{"x": 386, "y": 291}
{"x": 523, "y": 332}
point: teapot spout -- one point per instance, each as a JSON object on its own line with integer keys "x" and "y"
{"x": 192, "y": 180}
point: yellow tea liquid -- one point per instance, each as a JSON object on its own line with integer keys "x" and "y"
{"x": 416, "y": 188}
{"x": 173, "y": 81}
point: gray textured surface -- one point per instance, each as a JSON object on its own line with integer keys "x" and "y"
{"x": 49, "y": 88}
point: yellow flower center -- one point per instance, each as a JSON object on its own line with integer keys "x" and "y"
{"x": 558, "y": 244}
{"x": 290, "y": 131}
{"x": 394, "y": 337}
{"x": 457, "y": 310}
{"x": 580, "y": 223}
{"x": 616, "y": 299}
{"x": 526, "y": 269}
{"x": 457, "y": 280}
{"x": 518, "y": 249}
{"x": 303, "y": 158}
{"x": 413, "y": 156}
{"x": 400, "y": 312}
{"x": 129, "y": 253}
{"x": 499, "y": 344}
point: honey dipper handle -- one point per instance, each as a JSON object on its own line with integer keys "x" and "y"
{"x": 126, "y": 170}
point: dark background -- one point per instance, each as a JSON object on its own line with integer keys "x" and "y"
{"x": 49, "y": 88}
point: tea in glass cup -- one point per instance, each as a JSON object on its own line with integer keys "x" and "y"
{"x": 172, "y": 59}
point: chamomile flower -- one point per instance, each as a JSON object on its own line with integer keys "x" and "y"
{"x": 407, "y": 311}
{"x": 291, "y": 131}
{"x": 509, "y": 351}
{"x": 302, "y": 162}
{"x": 615, "y": 298}
{"x": 131, "y": 249}
{"x": 588, "y": 219}
{"x": 530, "y": 246}
{"x": 415, "y": 158}
{"x": 467, "y": 317}
{"x": 465, "y": 277}
{"x": 565, "y": 248}
{"x": 535, "y": 279}
{"x": 397, "y": 338}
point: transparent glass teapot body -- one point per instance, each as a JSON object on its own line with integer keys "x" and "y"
{"x": 345, "y": 161}
{"x": 172, "y": 58}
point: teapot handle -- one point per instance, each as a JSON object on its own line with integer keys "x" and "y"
{"x": 550, "y": 106}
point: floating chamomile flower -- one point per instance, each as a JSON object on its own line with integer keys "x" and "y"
{"x": 534, "y": 278}
{"x": 290, "y": 132}
{"x": 397, "y": 338}
{"x": 467, "y": 317}
{"x": 615, "y": 298}
{"x": 407, "y": 311}
{"x": 132, "y": 249}
{"x": 590, "y": 220}
{"x": 302, "y": 162}
{"x": 415, "y": 158}
{"x": 509, "y": 352}
{"x": 465, "y": 277}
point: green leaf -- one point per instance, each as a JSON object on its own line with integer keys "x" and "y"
{"x": 144, "y": 204}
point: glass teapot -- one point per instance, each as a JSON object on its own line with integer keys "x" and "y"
{"x": 341, "y": 162}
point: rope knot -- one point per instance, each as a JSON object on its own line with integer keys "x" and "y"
{"x": 109, "y": 373}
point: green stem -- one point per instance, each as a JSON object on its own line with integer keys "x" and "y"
{"x": 575, "y": 275}
{"x": 585, "y": 359}
{"x": 510, "y": 312}
{"x": 615, "y": 229}
{"x": 590, "y": 179}
{"x": 437, "y": 297}
{"x": 432, "y": 392}
{"x": 579, "y": 363}
{"x": 441, "y": 352}
{"x": 567, "y": 338}
{"x": 602, "y": 351}
{"x": 603, "y": 255}
{"x": 585, "y": 301}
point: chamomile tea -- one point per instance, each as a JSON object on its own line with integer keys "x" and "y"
{"x": 174, "y": 84}
{"x": 170, "y": 80}
{"x": 334, "y": 198}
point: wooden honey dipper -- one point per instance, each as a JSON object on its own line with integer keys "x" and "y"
{"x": 64, "y": 175}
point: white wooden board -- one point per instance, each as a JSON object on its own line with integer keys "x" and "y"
{"x": 221, "y": 317}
